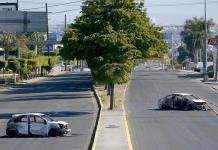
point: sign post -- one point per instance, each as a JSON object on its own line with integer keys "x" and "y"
{"x": 214, "y": 42}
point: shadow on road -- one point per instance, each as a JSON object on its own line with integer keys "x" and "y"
{"x": 51, "y": 114}
{"x": 62, "y": 83}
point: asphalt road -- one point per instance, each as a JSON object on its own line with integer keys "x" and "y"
{"x": 153, "y": 129}
{"x": 65, "y": 97}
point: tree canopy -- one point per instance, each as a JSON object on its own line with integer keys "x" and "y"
{"x": 111, "y": 36}
{"x": 193, "y": 35}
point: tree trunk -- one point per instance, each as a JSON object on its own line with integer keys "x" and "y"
{"x": 6, "y": 54}
{"x": 200, "y": 55}
{"x": 77, "y": 63}
{"x": 108, "y": 89}
{"x": 112, "y": 97}
{"x": 105, "y": 87}
{"x": 196, "y": 57}
{"x": 41, "y": 71}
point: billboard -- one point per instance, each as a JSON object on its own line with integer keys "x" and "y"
{"x": 22, "y": 21}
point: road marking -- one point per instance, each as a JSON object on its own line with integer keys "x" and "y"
{"x": 125, "y": 122}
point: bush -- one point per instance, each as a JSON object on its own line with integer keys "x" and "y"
{"x": 31, "y": 64}
{"x": 14, "y": 65}
{"x": 23, "y": 67}
{"x": 178, "y": 66}
{"x": 2, "y": 64}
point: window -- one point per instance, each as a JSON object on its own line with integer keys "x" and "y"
{"x": 21, "y": 119}
{"x": 39, "y": 120}
{"x": 32, "y": 119}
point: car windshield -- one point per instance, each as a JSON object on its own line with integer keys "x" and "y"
{"x": 191, "y": 97}
{"x": 47, "y": 118}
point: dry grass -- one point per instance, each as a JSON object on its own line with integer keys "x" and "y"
{"x": 119, "y": 93}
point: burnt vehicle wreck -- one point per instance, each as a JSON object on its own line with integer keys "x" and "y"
{"x": 181, "y": 101}
{"x": 36, "y": 124}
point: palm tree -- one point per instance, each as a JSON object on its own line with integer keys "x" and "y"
{"x": 193, "y": 36}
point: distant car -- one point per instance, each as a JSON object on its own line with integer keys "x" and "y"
{"x": 35, "y": 124}
{"x": 210, "y": 71}
{"x": 181, "y": 101}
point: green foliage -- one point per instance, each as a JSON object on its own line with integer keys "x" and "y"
{"x": 28, "y": 54}
{"x": 14, "y": 65}
{"x": 209, "y": 56}
{"x": 31, "y": 64}
{"x": 23, "y": 67}
{"x": 193, "y": 34}
{"x": 111, "y": 37}
{"x": 178, "y": 66}
{"x": 184, "y": 54}
{"x": 2, "y": 64}
{"x": 44, "y": 60}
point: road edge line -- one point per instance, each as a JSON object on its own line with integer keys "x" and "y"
{"x": 93, "y": 142}
{"x": 212, "y": 109}
{"x": 125, "y": 122}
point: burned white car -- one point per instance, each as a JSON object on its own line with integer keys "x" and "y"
{"x": 37, "y": 124}
{"x": 181, "y": 101}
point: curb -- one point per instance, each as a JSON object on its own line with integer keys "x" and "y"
{"x": 92, "y": 144}
{"x": 127, "y": 129}
{"x": 126, "y": 123}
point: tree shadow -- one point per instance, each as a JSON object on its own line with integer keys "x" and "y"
{"x": 63, "y": 83}
{"x": 47, "y": 97}
{"x": 55, "y": 114}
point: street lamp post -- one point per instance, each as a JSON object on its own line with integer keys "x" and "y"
{"x": 205, "y": 44}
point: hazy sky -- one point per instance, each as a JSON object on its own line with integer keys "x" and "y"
{"x": 165, "y": 12}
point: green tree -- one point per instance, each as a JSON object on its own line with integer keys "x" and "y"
{"x": 7, "y": 42}
{"x": 193, "y": 35}
{"x": 14, "y": 65}
{"x": 111, "y": 36}
{"x": 184, "y": 53}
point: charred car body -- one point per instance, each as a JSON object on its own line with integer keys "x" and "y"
{"x": 181, "y": 101}
{"x": 35, "y": 124}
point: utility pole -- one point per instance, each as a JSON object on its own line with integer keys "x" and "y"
{"x": 205, "y": 78}
{"x": 65, "y": 21}
{"x": 65, "y": 26}
{"x": 172, "y": 40}
{"x": 17, "y": 7}
{"x": 46, "y": 7}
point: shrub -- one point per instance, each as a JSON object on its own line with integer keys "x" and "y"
{"x": 14, "y": 65}
{"x": 2, "y": 64}
{"x": 23, "y": 67}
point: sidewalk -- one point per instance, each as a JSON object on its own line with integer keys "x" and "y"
{"x": 111, "y": 134}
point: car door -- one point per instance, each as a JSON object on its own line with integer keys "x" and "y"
{"x": 22, "y": 125}
{"x": 177, "y": 102}
{"x": 38, "y": 126}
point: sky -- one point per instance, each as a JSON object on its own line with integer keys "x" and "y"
{"x": 163, "y": 12}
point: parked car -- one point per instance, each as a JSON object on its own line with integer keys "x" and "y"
{"x": 210, "y": 71}
{"x": 181, "y": 101}
{"x": 35, "y": 124}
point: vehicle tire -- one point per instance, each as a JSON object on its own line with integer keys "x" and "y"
{"x": 12, "y": 132}
{"x": 54, "y": 132}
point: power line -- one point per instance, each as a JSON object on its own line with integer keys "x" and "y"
{"x": 181, "y": 4}
{"x": 57, "y": 12}
{"x": 54, "y": 5}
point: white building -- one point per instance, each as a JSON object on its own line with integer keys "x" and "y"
{"x": 8, "y": 6}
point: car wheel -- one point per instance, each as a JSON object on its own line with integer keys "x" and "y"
{"x": 54, "y": 132}
{"x": 12, "y": 132}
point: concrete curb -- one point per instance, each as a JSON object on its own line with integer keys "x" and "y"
{"x": 127, "y": 129}
{"x": 93, "y": 142}
{"x": 125, "y": 121}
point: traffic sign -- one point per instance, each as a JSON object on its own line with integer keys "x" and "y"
{"x": 213, "y": 41}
